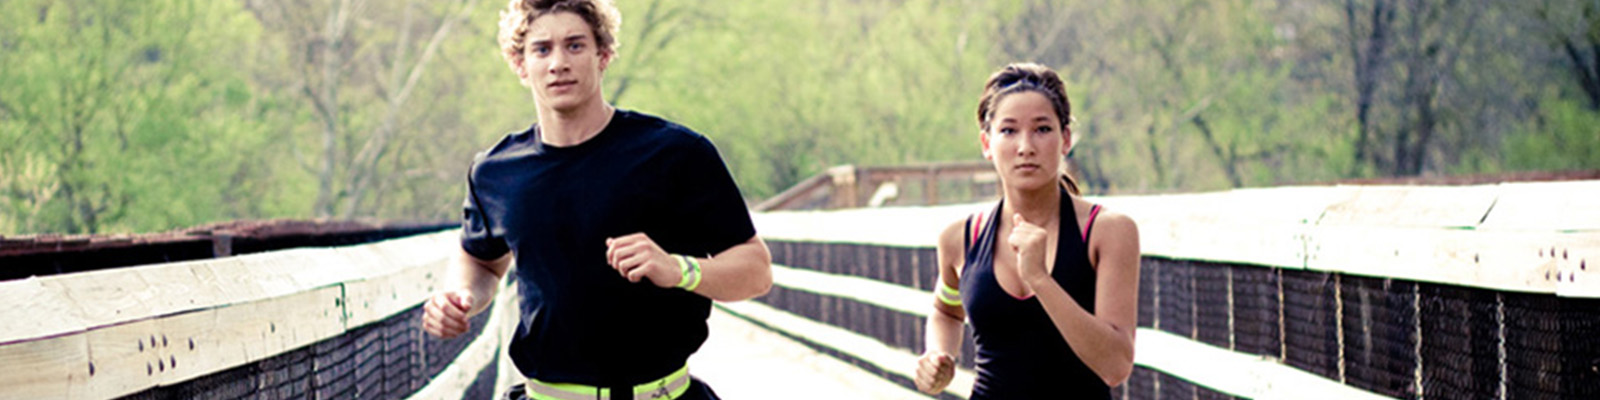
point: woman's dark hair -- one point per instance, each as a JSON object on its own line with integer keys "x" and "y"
{"x": 1027, "y": 77}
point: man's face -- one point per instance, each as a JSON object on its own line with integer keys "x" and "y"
{"x": 562, "y": 62}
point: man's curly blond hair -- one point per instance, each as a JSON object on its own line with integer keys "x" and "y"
{"x": 602, "y": 16}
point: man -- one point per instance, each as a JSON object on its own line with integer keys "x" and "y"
{"x": 624, "y": 226}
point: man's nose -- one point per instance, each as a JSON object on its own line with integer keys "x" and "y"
{"x": 558, "y": 62}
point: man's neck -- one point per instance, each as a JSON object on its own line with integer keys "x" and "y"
{"x": 575, "y": 126}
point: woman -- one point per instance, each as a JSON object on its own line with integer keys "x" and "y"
{"x": 1048, "y": 279}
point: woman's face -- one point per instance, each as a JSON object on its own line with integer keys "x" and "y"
{"x": 1025, "y": 141}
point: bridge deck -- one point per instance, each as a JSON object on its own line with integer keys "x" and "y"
{"x": 744, "y": 361}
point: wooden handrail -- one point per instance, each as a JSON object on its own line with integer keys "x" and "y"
{"x": 110, "y": 333}
{"x": 1522, "y": 237}
{"x": 848, "y": 186}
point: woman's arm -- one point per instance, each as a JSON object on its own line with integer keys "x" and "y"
{"x": 1104, "y": 339}
{"x": 936, "y": 367}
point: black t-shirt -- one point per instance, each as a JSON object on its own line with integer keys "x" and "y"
{"x": 553, "y": 208}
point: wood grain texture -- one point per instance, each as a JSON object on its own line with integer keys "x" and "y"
{"x": 47, "y": 368}
{"x": 141, "y": 327}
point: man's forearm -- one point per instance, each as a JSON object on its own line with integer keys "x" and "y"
{"x": 479, "y": 277}
{"x": 741, "y": 272}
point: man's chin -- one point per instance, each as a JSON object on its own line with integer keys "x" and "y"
{"x": 563, "y": 104}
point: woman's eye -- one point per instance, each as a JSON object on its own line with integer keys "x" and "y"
{"x": 1007, "y": 131}
{"x": 1045, "y": 129}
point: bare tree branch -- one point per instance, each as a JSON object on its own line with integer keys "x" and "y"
{"x": 364, "y": 164}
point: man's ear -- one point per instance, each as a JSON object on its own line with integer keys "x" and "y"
{"x": 605, "y": 58}
{"x": 522, "y": 73}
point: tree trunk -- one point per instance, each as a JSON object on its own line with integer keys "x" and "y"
{"x": 1587, "y": 68}
{"x": 1155, "y": 156}
{"x": 1367, "y": 64}
{"x": 1226, "y": 158}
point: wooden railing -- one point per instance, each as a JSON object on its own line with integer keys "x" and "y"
{"x": 849, "y": 186}
{"x": 1294, "y": 292}
{"x": 317, "y": 323}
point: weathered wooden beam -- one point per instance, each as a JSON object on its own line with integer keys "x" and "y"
{"x": 109, "y": 333}
{"x": 1525, "y": 237}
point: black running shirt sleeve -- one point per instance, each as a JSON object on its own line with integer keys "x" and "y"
{"x": 705, "y": 201}
{"x": 477, "y": 235}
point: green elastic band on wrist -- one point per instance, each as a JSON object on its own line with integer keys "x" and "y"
{"x": 948, "y": 295}
{"x": 694, "y": 266}
{"x": 691, "y": 273}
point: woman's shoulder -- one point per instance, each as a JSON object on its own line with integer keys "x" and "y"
{"x": 960, "y": 230}
{"x": 952, "y": 234}
{"x": 1109, "y": 223}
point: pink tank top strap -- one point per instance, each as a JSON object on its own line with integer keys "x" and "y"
{"x": 1093, "y": 212}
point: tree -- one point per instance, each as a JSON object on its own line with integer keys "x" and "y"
{"x": 359, "y": 80}
{"x": 1575, "y": 30}
{"x": 100, "y": 98}
{"x": 1409, "y": 77}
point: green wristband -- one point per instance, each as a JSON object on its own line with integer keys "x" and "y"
{"x": 691, "y": 273}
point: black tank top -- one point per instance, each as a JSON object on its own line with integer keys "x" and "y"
{"x": 1020, "y": 354}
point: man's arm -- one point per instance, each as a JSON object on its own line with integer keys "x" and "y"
{"x": 741, "y": 272}
{"x": 469, "y": 288}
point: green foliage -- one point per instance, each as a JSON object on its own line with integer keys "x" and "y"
{"x": 144, "y": 116}
{"x": 110, "y": 111}
{"x": 1565, "y": 136}
{"x": 788, "y": 89}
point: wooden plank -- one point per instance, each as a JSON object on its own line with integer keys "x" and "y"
{"x": 1248, "y": 226}
{"x": 376, "y": 298}
{"x": 104, "y": 297}
{"x": 162, "y": 324}
{"x": 1502, "y": 260}
{"x": 1577, "y": 259}
{"x": 878, "y": 293}
{"x": 47, "y": 368}
{"x": 135, "y": 356}
{"x": 872, "y": 351}
{"x": 47, "y": 311}
{"x": 127, "y": 358}
{"x": 249, "y": 278}
{"x": 1548, "y": 206}
{"x": 1254, "y": 226}
{"x": 397, "y": 276}
{"x": 1429, "y": 234}
{"x": 1413, "y": 206}
{"x": 1238, "y": 374}
{"x": 893, "y": 226}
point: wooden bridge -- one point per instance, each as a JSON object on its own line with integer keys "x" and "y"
{"x": 1353, "y": 291}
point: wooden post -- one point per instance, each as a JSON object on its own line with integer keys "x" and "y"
{"x": 844, "y": 186}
